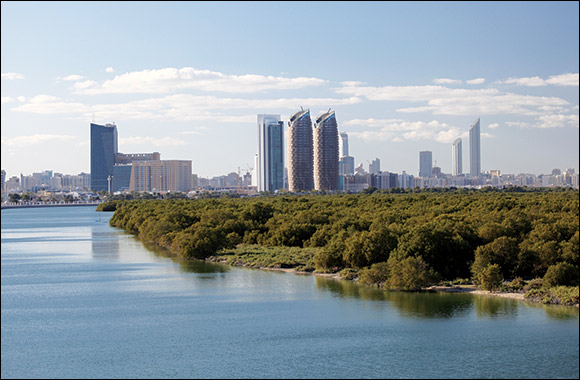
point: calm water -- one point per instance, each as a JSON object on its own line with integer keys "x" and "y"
{"x": 83, "y": 300}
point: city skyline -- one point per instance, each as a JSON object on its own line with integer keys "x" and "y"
{"x": 412, "y": 77}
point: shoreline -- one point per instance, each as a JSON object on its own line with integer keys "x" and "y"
{"x": 471, "y": 289}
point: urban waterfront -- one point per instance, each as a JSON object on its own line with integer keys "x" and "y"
{"x": 81, "y": 299}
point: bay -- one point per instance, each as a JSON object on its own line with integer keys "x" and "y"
{"x": 81, "y": 299}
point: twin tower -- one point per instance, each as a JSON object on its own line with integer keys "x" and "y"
{"x": 312, "y": 153}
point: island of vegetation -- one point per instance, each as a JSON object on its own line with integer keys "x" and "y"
{"x": 499, "y": 240}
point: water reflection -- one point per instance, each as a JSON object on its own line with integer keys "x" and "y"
{"x": 411, "y": 304}
{"x": 188, "y": 266}
{"x": 104, "y": 245}
{"x": 440, "y": 304}
{"x": 491, "y": 306}
{"x": 561, "y": 312}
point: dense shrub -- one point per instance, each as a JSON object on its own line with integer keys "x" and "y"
{"x": 561, "y": 274}
{"x": 456, "y": 233}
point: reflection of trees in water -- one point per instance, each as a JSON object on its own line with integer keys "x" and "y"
{"x": 412, "y": 304}
{"x": 187, "y": 265}
{"x": 104, "y": 245}
{"x": 490, "y": 306}
{"x": 561, "y": 312}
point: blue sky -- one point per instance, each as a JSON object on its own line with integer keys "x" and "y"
{"x": 187, "y": 79}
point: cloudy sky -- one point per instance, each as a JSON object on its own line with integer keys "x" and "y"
{"x": 187, "y": 79}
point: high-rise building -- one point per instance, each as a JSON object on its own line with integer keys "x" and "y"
{"x": 474, "y": 150}
{"x": 270, "y": 153}
{"x": 161, "y": 175}
{"x": 300, "y": 152}
{"x": 3, "y": 180}
{"x": 326, "y": 152}
{"x": 346, "y": 165}
{"x": 343, "y": 147}
{"x": 456, "y": 158}
{"x": 425, "y": 164}
{"x": 375, "y": 166}
{"x": 103, "y": 151}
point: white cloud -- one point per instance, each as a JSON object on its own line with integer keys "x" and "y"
{"x": 493, "y": 126}
{"x": 557, "y": 121}
{"x": 157, "y": 142}
{"x": 519, "y": 124}
{"x": 21, "y": 99}
{"x": 548, "y": 121}
{"x": 72, "y": 77}
{"x": 183, "y": 107}
{"x": 446, "y": 81}
{"x": 476, "y": 81}
{"x": 7, "y": 99}
{"x": 447, "y": 101}
{"x": 25, "y": 141}
{"x": 397, "y": 130}
{"x": 568, "y": 79}
{"x": 110, "y": 70}
{"x": 46, "y": 104}
{"x": 172, "y": 79}
{"x": 12, "y": 76}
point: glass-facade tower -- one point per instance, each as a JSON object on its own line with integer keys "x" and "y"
{"x": 104, "y": 147}
{"x": 326, "y": 152}
{"x": 426, "y": 164}
{"x": 456, "y": 158}
{"x": 474, "y": 150}
{"x": 300, "y": 152}
{"x": 270, "y": 153}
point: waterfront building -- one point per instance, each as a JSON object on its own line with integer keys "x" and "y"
{"x": 475, "y": 150}
{"x": 300, "y": 152}
{"x": 3, "y": 181}
{"x": 425, "y": 164}
{"x": 161, "y": 176}
{"x": 456, "y": 158}
{"x": 104, "y": 147}
{"x": 326, "y": 152}
{"x": 270, "y": 153}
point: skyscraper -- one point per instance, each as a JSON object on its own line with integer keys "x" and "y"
{"x": 425, "y": 164}
{"x": 326, "y": 152}
{"x": 346, "y": 162}
{"x": 270, "y": 153}
{"x": 103, "y": 150}
{"x": 474, "y": 150}
{"x": 343, "y": 147}
{"x": 456, "y": 158}
{"x": 300, "y": 152}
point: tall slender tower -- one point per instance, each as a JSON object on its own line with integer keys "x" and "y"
{"x": 343, "y": 147}
{"x": 474, "y": 150}
{"x": 456, "y": 158}
{"x": 326, "y": 152}
{"x": 426, "y": 164}
{"x": 104, "y": 147}
{"x": 300, "y": 152}
{"x": 270, "y": 153}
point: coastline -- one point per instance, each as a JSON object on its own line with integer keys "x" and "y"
{"x": 471, "y": 289}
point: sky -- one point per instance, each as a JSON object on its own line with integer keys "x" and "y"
{"x": 188, "y": 79}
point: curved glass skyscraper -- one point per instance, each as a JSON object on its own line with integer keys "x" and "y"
{"x": 326, "y": 152}
{"x": 300, "y": 152}
{"x": 474, "y": 150}
{"x": 103, "y": 150}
